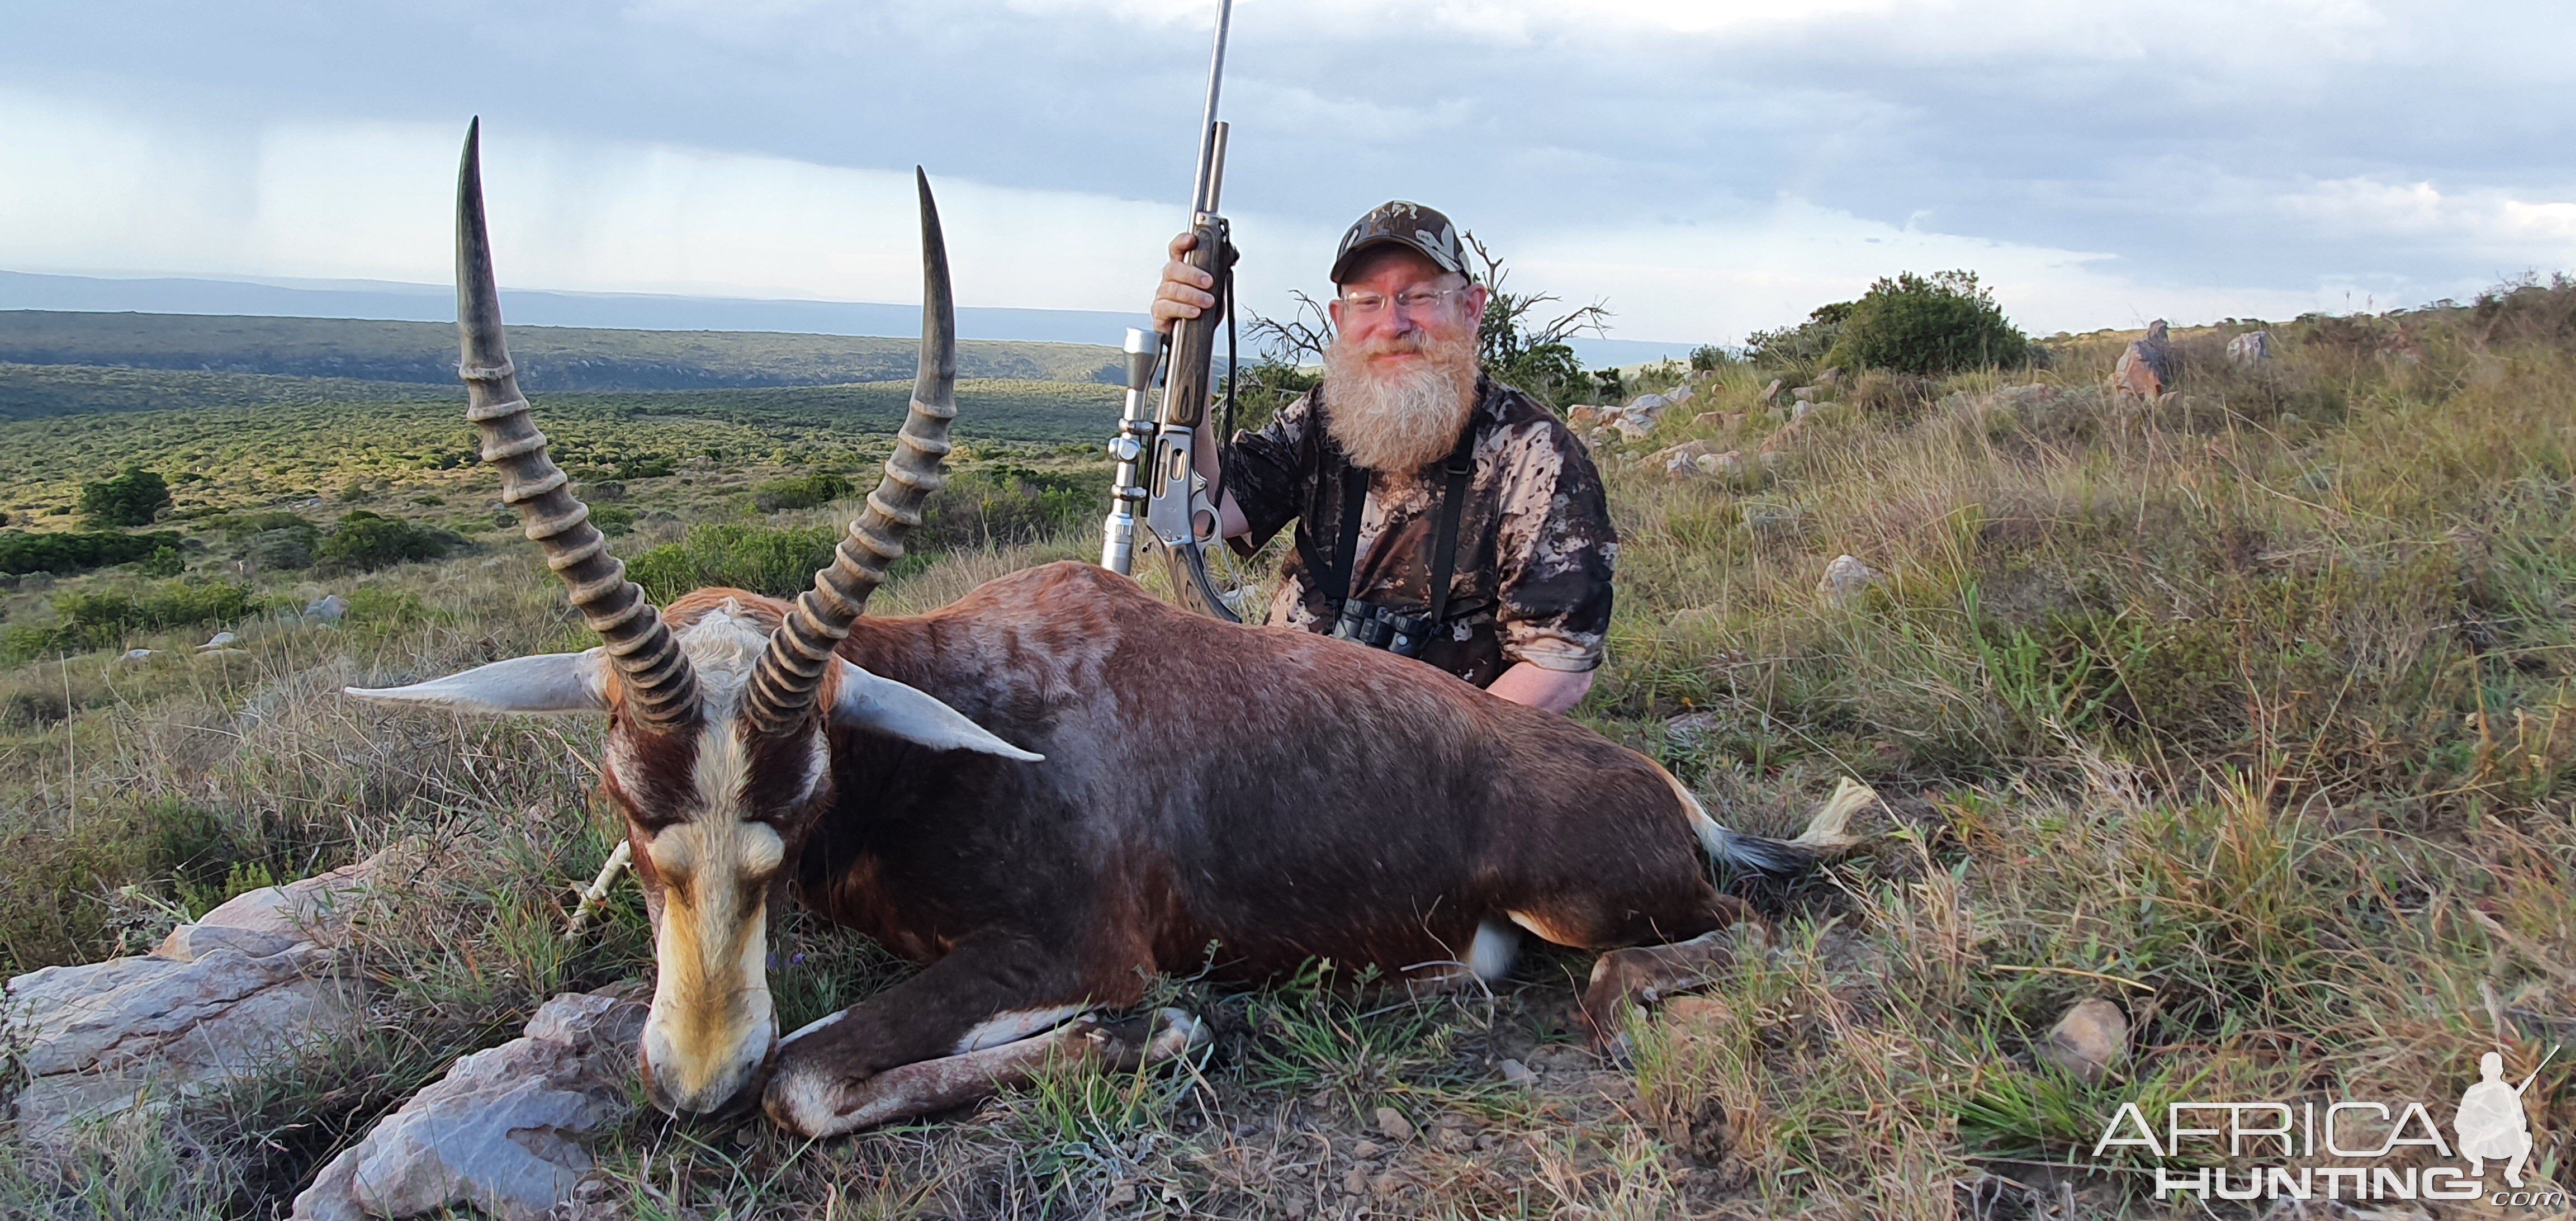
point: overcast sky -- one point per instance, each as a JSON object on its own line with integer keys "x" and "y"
{"x": 1706, "y": 167}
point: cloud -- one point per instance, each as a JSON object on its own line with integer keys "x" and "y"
{"x": 2095, "y": 162}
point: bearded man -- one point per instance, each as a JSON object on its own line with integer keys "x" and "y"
{"x": 1439, "y": 512}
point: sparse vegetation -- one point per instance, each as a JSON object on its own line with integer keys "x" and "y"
{"x": 2242, "y": 709}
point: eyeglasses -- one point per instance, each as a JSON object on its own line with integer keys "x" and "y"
{"x": 1411, "y": 301}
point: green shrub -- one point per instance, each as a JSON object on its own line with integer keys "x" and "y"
{"x": 743, "y": 555}
{"x": 364, "y": 542}
{"x": 284, "y": 549}
{"x": 64, "y": 554}
{"x": 612, "y": 519}
{"x": 129, "y": 499}
{"x": 1709, "y": 358}
{"x": 163, "y": 562}
{"x": 1943, "y": 323}
{"x": 1264, "y": 388}
{"x": 1803, "y": 344}
{"x": 808, "y": 492}
{"x": 1006, "y": 505}
{"x": 101, "y": 619}
{"x": 109, "y": 613}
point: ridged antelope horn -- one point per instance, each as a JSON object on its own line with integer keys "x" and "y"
{"x": 660, "y": 691}
{"x": 801, "y": 650}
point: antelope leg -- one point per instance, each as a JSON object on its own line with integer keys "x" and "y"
{"x": 820, "y": 1108}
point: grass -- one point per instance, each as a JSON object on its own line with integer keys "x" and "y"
{"x": 2241, "y": 709}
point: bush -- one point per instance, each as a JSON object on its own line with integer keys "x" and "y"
{"x": 1007, "y": 505}
{"x": 130, "y": 499}
{"x": 283, "y": 550}
{"x": 364, "y": 542}
{"x": 1709, "y": 358}
{"x": 101, "y": 619}
{"x": 1803, "y": 344}
{"x": 809, "y": 492}
{"x": 65, "y": 554}
{"x": 1928, "y": 326}
{"x": 1263, "y": 389}
{"x": 163, "y": 562}
{"x": 743, "y": 555}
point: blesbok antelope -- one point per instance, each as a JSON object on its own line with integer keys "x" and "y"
{"x": 992, "y": 789}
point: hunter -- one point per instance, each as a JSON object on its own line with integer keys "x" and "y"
{"x": 1439, "y": 513}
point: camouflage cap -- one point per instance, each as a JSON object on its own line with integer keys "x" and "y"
{"x": 1397, "y": 222}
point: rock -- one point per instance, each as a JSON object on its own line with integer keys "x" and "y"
{"x": 1728, "y": 465}
{"x": 1393, "y": 1123}
{"x": 103, "y": 1038}
{"x": 1366, "y": 1150}
{"x": 1679, "y": 395}
{"x": 251, "y": 984}
{"x": 2027, "y": 394}
{"x": 218, "y": 640}
{"x": 2146, "y": 366}
{"x": 2251, "y": 349}
{"x": 1582, "y": 416}
{"x": 496, "y": 1134}
{"x": 1682, "y": 459}
{"x": 316, "y": 909}
{"x": 1721, "y": 419}
{"x": 1647, "y": 404}
{"x": 1689, "y": 726}
{"x": 136, "y": 655}
{"x": 1803, "y": 394}
{"x": 1786, "y": 433}
{"x": 1771, "y": 391}
{"x": 2088, "y": 1039}
{"x": 1356, "y": 1182}
{"x": 1518, "y": 1073}
{"x": 329, "y": 608}
{"x": 1846, "y": 579}
{"x": 1830, "y": 379}
{"x": 1634, "y": 427}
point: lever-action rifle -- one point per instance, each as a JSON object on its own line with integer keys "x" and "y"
{"x": 1157, "y": 457}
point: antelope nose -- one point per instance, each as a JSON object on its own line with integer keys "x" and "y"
{"x": 727, "y": 1095}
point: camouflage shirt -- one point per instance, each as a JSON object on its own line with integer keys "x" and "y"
{"x": 1535, "y": 548}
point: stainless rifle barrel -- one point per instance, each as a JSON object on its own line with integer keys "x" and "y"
{"x": 1202, "y": 197}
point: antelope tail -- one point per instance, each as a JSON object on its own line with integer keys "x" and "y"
{"x": 1828, "y": 835}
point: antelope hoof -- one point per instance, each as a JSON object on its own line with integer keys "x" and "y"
{"x": 1646, "y": 975}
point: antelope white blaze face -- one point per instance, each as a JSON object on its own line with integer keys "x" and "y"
{"x": 712, "y": 1027}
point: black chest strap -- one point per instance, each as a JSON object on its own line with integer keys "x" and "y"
{"x": 1459, "y": 468}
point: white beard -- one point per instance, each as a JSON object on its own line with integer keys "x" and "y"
{"x": 1404, "y": 419}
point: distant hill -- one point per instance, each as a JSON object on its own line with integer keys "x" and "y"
{"x": 548, "y": 358}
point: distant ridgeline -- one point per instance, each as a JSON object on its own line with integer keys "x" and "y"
{"x": 548, "y": 358}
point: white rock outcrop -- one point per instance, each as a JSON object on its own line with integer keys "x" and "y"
{"x": 2252, "y": 349}
{"x": 1846, "y": 579}
{"x": 243, "y": 990}
{"x": 497, "y": 1134}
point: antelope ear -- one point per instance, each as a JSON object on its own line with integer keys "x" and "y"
{"x": 900, "y": 711}
{"x": 547, "y": 682}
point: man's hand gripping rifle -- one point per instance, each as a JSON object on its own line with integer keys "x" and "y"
{"x": 1158, "y": 458}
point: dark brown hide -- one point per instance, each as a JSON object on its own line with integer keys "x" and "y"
{"x": 1281, "y": 794}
